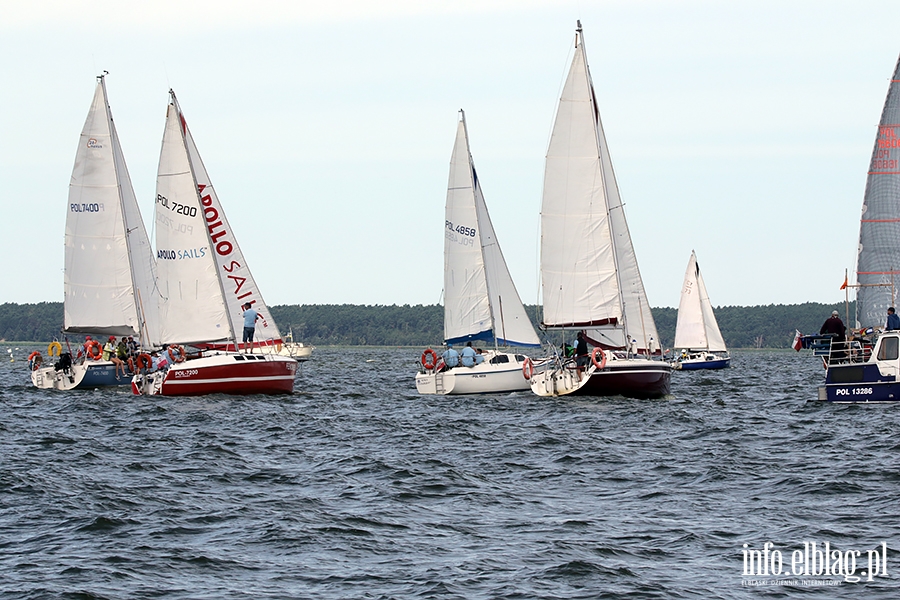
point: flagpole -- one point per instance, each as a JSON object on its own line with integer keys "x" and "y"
{"x": 847, "y": 300}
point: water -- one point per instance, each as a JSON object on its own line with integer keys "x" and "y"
{"x": 357, "y": 487}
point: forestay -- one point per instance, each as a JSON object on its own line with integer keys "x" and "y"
{"x": 480, "y": 299}
{"x": 109, "y": 267}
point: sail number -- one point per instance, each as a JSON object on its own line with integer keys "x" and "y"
{"x": 460, "y": 229}
{"x": 884, "y": 164}
{"x": 181, "y": 209}
{"x": 95, "y": 207}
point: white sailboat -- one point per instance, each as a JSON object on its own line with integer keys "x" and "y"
{"x": 589, "y": 272}
{"x": 480, "y": 300}
{"x": 697, "y": 334}
{"x": 203, "y": 283}
{"x": 109, "y": 266}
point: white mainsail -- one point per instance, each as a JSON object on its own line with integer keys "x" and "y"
{"x": 204, "y": 278}
{"x": 109, "y": 266}
{"x": 696, "y": 328}
{"x": 480, "y": 298}
{"x": 589, "y": 272}
{"x": 878, "y": 260}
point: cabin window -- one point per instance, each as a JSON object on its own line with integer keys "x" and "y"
{"x": 520, "y": 358}
{"x": 890, "y": 348}
{"x": 500, "y": 358}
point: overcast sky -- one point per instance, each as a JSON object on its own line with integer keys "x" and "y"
{"x": 741, "y": 130}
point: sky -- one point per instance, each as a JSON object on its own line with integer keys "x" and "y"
{"x": 741, "y": 130}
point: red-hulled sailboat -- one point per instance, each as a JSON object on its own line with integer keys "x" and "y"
{"x": 203, "y": 283}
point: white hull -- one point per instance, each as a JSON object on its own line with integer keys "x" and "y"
{"x": 90, "y": 374}
{"x": 297, "y": 350}
{"x": 485, "y": 378}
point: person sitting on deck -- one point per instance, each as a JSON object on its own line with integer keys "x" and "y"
{"x": 468, "y": 355}
{"x": 451, "y": 357}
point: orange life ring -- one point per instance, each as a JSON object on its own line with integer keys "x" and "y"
{"x": 144, "y": 361}
{"x": 429, "y": 359}
{"x": 602, "y": 363}
{"x": 89, "y": 348}
{"x": 528, "y": 368}
{"x": 54, "y": 349}
{"x": 180, "y": 353}
{"x": 35, "y": 360}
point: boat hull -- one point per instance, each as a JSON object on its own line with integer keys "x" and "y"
{"x": 696, "y": 364}
{"x": 859, "y": 383}
{"x": 501, "y": 372}
{"x": 632, "y": 378}
{"x": 88, "y": 375}
{"x": 221, "y": 373}
{"x": 296, "y": 350}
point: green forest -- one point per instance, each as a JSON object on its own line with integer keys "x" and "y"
{"x": 770, "y": 326}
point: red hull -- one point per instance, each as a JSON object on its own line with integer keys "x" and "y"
{"x": 231, "y": 374}
{"x": 637, "y": 382}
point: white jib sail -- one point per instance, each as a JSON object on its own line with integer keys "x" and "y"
{"x": 696, "y": 328}
{"x": 480, "y": 298}
{"x": 204, "y": 277}
{"x": 108, "y": 263}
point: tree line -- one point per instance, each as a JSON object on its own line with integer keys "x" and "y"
{"x": 770, "y": 326}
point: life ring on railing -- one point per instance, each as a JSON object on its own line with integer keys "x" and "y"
{"x": 54, "y": 349}
{"x": 180, "y": 353}
{"x": 602, "y": 363}
{"x": 89, "y": 348}
{"x": 35, "y": 360}
{"x": 429, "y": 359}
{"x": 528, "y": 368}
{"x": 144, "y": 361}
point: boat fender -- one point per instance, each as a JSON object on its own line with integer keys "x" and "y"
{"x": 89, "y": 348}
{"x": 429, "y": 359}
{"x": 35, "y": 359}
{"x": 528, "y": 368}
{"x": 54, "y": 349}
{"x": 176, "y": 348}
{"x": 144, "y": 361}
{"x": 602, "y": 363}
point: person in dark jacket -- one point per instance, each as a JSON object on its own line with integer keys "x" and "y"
{"x": 893, "y": 320}
{"x": 834, "y": 326}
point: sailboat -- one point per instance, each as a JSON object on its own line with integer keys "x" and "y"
{"x": 589, "y": 272}
{"x": 480, "y": 300}
{"x": 203, "y": 284}
{"x": 856, "y": 372}
{"x": 697, "y": 333}
{"x": 109, "y": 265}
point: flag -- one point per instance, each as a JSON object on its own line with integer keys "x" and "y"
{"x": 844, "y": 286}
{"x": 798, "y": 343}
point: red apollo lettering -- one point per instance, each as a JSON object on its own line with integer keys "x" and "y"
{"x": 206, "y": 200}
{"x": 232, "y": 266}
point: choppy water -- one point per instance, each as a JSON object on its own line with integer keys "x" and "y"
{"x": 357, "y": 487}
